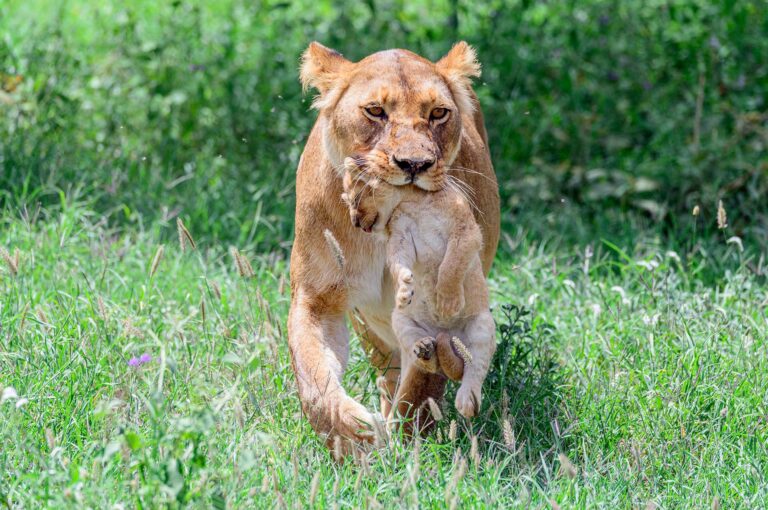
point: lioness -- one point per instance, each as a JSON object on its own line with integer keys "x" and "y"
{"x": 415, "y": 121}
{"x": 433, "y": 253}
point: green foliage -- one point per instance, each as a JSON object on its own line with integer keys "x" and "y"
{"x": 155, "y": 110}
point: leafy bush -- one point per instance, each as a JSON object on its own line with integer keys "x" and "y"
{"x": 194, "y": 109}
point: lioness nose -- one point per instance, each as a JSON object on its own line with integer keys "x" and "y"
{"x": 414, "y": 166}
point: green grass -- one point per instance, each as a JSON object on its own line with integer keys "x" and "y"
{"x": 655, "y": 392}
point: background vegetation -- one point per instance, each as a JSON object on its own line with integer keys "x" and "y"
{"x": 632, "y": 368}
{"x": 154, "y": 109}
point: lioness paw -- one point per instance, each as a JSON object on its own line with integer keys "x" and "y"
{"x": 354, "y": 421}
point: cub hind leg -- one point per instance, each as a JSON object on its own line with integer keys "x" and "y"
{"x": 416, "y": 342}
{"x": 479, "y": 337}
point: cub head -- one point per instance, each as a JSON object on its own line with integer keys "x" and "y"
{"x": 395, "y": 112}
{"x": 370, "y": 200}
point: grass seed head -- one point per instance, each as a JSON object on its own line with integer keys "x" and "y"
{"x": 509, "y": 435}
{"x": 696, "y": 210}
{"x": 156, "y": 260}
{"x": 101, "y": 308}
{"x": 566, "y": 467}
{"x": 43, "y": 318}
{"x": 12, "y": 261}
{"x": 461, "y": 470}
{"x": 236, "y": 258}
{"x": 23, "y": 319}
{"x": 185, "y": 238}
{"x": 452, "y": 431}
{"x": 338, "y": 455}
{"x": 248, "y": 271}
{"x": 434, "y": 409}
{"x": 313, "y": 488}
{"x": 50, "y": 439}
{"x": 239, "y": 413}
{"x": 722, "y": 217}
{"x": 474, "y": 452}
{"x": 462, "y": 350}
{"x": 216, "y": 290}
{"x": 264, "y": 484}
{"x": 335, "y": 248}
{"x": 242, "y": 264}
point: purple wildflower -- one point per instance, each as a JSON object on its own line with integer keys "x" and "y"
{"x": 136, "y": 362}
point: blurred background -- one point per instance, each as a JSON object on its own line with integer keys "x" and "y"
{"x": 606, "y": 118}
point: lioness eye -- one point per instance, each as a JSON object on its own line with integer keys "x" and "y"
{"x": 438, "y": 113}
{"x": 375, "y": 111}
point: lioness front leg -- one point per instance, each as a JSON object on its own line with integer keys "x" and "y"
{"x": 319, "y": 344}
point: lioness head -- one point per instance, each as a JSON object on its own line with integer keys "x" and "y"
{"x": 398, "y": 114}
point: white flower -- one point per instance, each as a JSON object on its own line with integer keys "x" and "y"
{"x": 532, "y": 299}
{"x": 8, "y": 394}
{"x": 622, "y": 293}
{"x": 649, "y": 265}
{"x": 651, "y": 321}
{"x": 21, "y": 402}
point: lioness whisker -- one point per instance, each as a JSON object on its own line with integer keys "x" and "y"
{"x": 470, "y": 171}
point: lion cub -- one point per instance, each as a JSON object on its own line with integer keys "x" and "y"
{"x": 433, "y": 252}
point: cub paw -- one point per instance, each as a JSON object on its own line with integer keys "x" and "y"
{"x": 404, "y": 288}
{"x": 467, "y": 401}
{"x": 425, "y": 352}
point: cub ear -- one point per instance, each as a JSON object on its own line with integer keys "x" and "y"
{"x": 322, "y": 68}
{"x": 458, "y": 67}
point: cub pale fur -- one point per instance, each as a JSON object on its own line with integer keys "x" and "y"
{"x": 433, "y": 252}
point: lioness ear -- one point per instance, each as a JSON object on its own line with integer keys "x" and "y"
{"x": 322, "y": 68}
{"x": 458, "y": 67}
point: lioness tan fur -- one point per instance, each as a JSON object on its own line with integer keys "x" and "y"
{"x": 433, "y": 253}
{"x": 324, "y": 292}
